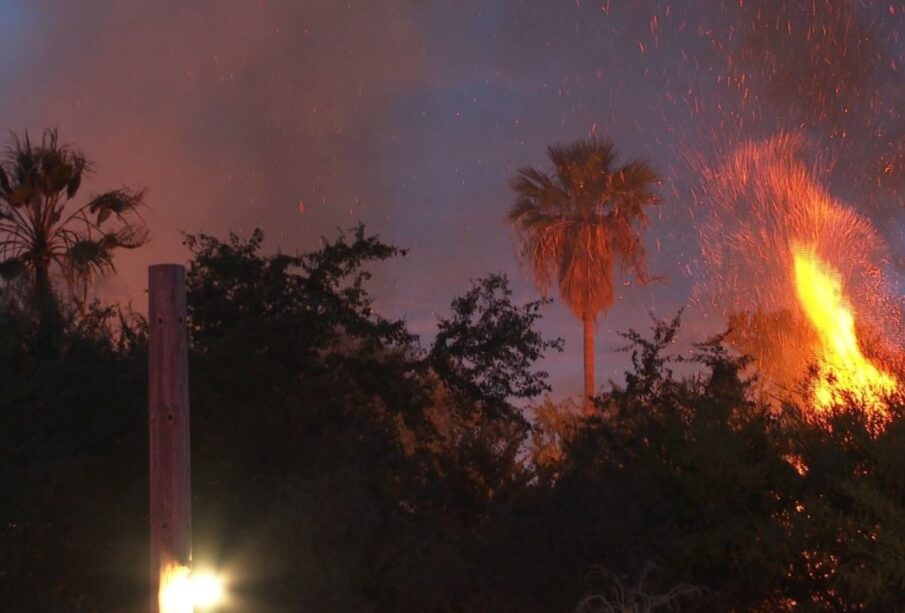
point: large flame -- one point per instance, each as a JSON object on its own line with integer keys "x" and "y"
{"x": 844, "y": 371}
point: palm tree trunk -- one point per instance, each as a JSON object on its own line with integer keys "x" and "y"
{"x": 42, "y": 279}
{"x": 47, "y": 309}
{"x": 588, "y": 365}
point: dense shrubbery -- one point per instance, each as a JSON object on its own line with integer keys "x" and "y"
{"x": 338, "y": 465}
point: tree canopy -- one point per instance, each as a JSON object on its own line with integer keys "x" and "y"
{"x": 339, "y": 465}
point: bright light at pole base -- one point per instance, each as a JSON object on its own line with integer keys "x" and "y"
{"x": 207, "y": 590}
{"x": 181, "y": 590}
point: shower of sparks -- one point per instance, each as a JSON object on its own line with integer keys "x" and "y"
{"x": 763, "y": 200}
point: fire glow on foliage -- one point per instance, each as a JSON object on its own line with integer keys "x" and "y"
{"x": 843, "y": 370}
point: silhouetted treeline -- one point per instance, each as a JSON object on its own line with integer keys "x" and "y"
{"x": 339, "y": 465}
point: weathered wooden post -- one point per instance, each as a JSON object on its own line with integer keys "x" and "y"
{"x": 168, "y": 399}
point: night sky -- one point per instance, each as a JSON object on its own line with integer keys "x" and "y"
{"x": 411, "y": 116}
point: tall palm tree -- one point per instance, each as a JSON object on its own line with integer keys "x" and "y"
{"x": 43, "y": 233}
{"x": 576, "y": 223}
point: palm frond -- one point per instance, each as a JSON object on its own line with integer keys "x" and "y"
{"x": 575, "y": 223}
{"x": 586, "y": 271}
{"x": 627, "y": 247}
{"x": 527, "y": 216}
{"x": 4, "y": 182}
{"x": 542, "y": 252}
{"x": 127, "y": 237}
{"x": 637, "y": 175}
{"x": 22, "y": 160}
{"x": 37, "y": 180}
{"x": 540, "y": 188}
{"x": 86, "y": 256}
{"x": 19, "y": 196}
{"x": 115, "y": 202}
{"x": 35, "y": 171}
{"x": 582, "y": 165}
{"x": 55, "y": 170}
{"x": 79, "y": 167}
{"x": 632, "y": 185}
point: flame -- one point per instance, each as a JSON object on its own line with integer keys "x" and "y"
{"x": 776, "y": 247}
{"x": 844, "y": 371}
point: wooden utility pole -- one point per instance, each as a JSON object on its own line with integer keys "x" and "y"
{"x": 168, "y": 404}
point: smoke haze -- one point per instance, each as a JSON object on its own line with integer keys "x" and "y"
{"x": 304, "y": 117}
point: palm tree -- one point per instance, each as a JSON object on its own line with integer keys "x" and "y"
{"x": 42, "y": 232}
{"x": 575, "y": 223}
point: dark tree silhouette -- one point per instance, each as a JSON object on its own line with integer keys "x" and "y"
{"x": 42, "y": 231}
{"x": 487, "y": 348}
